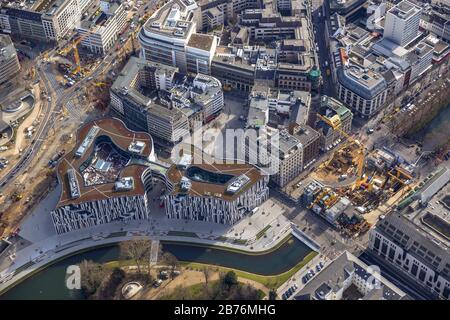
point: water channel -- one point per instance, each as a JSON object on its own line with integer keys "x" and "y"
{"x": 49, "y": 283}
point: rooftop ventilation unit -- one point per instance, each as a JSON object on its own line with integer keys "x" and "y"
{"x": 73, "y": 184}
{"x": 178, "y": 33}
{"x": 124, "y": 184}
{"x": 185, "y": 184}
{"x": 87, "y": 141}
{"x": 136, "y": 147}
{"x": 237, "y": 184}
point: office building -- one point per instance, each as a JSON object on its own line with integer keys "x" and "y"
{"x": 298, "y": 149}
{"x": 348, "y": 278}
{"x": 157, "y": 99}
{"x": 339, "y": 115}
{"x": 219, "y": 193}
{"x": 9, "y": 63}
{"x": 104, "y": 178}
{"x": 101, "y": 30}
{"x": 169, "y": 37}
{"x": 415, "y": 240}
{"x": 48, "y": 20}
{"x": 402, "y": 23}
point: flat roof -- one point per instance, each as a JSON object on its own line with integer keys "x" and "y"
{"x": 201, "y": 41}
{"x": 218, "y": 190}
{"x": 121, "y": 137}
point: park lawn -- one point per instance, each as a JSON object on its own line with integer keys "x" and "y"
{"x": 262, "y": 232}
{"x": 271, "y": 282}
{"x": 197, "y": 290}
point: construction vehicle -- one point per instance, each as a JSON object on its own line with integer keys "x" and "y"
{"x": 335, "y": 123}
{"x": 16, "y": 196}
{"x": 99, "y": 84}
{"x": 74, "y": 46}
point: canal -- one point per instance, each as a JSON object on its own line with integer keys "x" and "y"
{"x": 49, "y": 283}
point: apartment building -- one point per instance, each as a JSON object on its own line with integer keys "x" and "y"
{"x": 436, "y": 23}
{"x": 216, "y": 13}
{"x": 166, "y": 38}
{"x": 48, "y": 20}
{"x": 101, "y": 30}
{"x": 338, "y": 114}
{"x": 158, "y": 99}
{"x": 298, "y": 148}
{"x": 402, "y": 23}
{"x": 101, "y": 178}
{"x": 9, "y": 63}
{"x": 333, "y": 282}
{"x": 415, "y": 241}
{"x": 60, "y": 17}
{"x": 219, "y": 193}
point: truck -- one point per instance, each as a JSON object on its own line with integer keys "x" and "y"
{"x": 52, "y": 162}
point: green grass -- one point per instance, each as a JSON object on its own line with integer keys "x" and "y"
{"x": 196, "y": 291}
{"x": 221, "y": 238}
{"x": 182, "y": 234}
{"x": 262, "y": 232}
{"x": 271, "y": 282}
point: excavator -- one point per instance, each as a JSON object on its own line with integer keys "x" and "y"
{"x": 336, "y": 125}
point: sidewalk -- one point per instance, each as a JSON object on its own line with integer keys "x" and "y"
{"x": 263, "y": 231}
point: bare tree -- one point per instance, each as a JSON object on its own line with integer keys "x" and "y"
{"x": 207, "y": 273}
{"x": 92, "y": 276}
{"x": 138, "y": 251}
{"x": 171, "y": 261}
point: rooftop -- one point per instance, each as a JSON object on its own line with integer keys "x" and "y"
{"x": 201, "y": 41}
{"x": 331, "y": 279}
{"x": 225, "y": 181}
{"x": 174, "y": 19}
{"x": 405, "y": 10}
{"x": 7, "y": 49}
{"x": 104, "y": 161}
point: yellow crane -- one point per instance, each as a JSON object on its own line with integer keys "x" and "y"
{"x": 335, "y": 123}
{"x": 99, "y": 84}
{"x": 74, "y": 46}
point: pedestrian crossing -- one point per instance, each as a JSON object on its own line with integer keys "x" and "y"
{"x": 73, "y": 110}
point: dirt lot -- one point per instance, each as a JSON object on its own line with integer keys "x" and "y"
{"x": 186, "y": 279}
{"x": 35, "y": 183}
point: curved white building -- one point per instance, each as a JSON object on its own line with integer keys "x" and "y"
{"x": 220, "y": 193}
{"x": 169, "y": 37}
{"x": 105, "y": 177}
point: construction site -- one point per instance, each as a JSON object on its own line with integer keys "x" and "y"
{"x": 355, "y": 188}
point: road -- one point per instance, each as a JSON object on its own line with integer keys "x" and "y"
{"x": 410, "y": 287}
{"x": 328, "y": 87}
{"x": 51, "y": 110}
